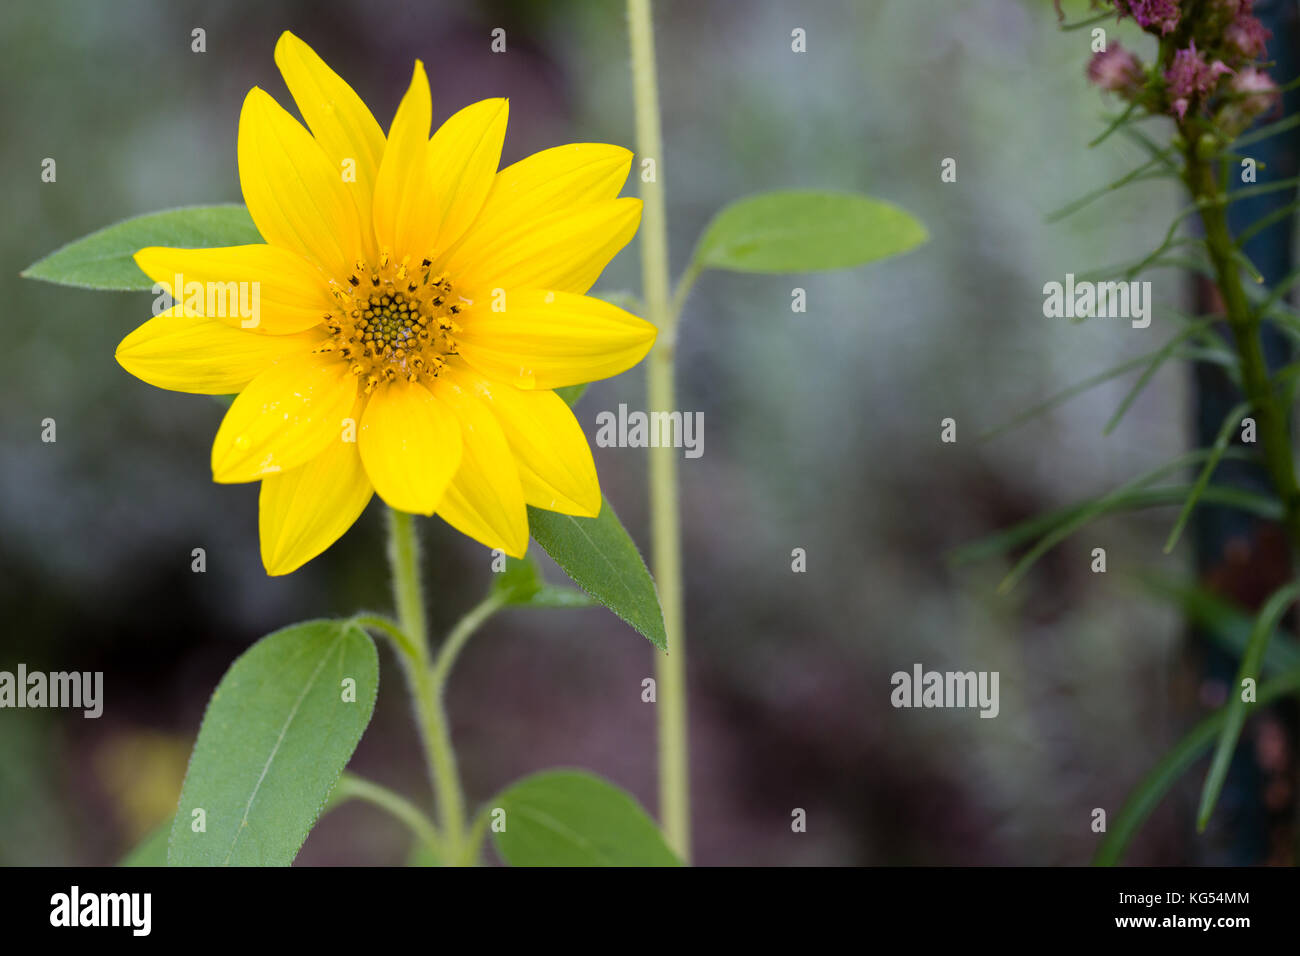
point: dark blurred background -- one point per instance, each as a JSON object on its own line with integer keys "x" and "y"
{"x": 822, "y": 432}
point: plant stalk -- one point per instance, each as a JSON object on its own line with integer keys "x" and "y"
{"x": 665, "y": 509}
{"x": 1244, "y": 322}
{"x": 404, "y": 557}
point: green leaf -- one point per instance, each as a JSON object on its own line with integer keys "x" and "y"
{"x": 1148, "y": 794}
{"x": 1230, "y": 423}
{"x": 1069, "y": 392}
{"x": 278, "y": 731}
{"x": 1080, "y": 24}
{"x": 1235, "y": 716}
{"x": 152, "y": 850}
{"x": 1176, "y": 761}
{"x": 1133, "y": 494}
{"x": 551, "y": 596}
{"x": 1152, "y": 360}
{"x": 1146, "y": 171}
{"x": 1224, "y": 622}
{"x": 1251, "y": 502}
{"x": 599, "y": 555}
{"x": 805, "y": 231}
{"x": 1125, "y": 498}
{"x": 1264, "y": 132}
{"x": 521, "y": 585}
{"x": 103, "y": 259}
{"x": 422, "y": 855}
{"x": 572, "y": 818}
{"x": 1162, "y": 354}
{"x": 518, "y": 582}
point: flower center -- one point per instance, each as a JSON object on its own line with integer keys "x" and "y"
{"x": 394, "y": 322}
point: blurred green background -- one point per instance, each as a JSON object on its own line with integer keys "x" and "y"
{"x": 821, "y": 432}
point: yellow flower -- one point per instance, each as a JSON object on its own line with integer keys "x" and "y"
{"x": 414, "y": 308}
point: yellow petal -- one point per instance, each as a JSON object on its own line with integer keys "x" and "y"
{"x": 295, "y": 195}
{"x": 342, "y": 124}
{"x": 406, "y": 198}
{"x": 485, "y": 499}
{"x": 205, "y": 356}
{"x": 565, "y": 251}
{"x": 410, "y": 444}
{"x": 303, "y": 511}
{"x": 288, "y": 292}
{"x": 553, "y": 181}
{"x": 550, "y": 339}
{"x": 555, "y": 465}
{"x": 463, "y": 158}
{"x": 284, "y": 418}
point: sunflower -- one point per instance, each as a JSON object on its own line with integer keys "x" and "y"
{"x": 416, "y": 307}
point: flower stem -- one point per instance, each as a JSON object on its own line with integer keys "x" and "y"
{"x": 460, "y": 634}
{"x": 352, "y": 787}
{"x": 665, "y": 511}
{"x": 1244, "y": 322}
{"x": 404, "y": 557}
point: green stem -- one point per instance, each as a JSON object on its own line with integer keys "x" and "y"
{"x": 352, "y": 787}
{"x": 1271, "y": 417}
{"x": 666, "y": 548}
{"x": 404, "y": 556}
{"x": 684, "y": 286}
{"x": 388, "y": 627}
{"x": 477, "y": 834}
{"x": 460, "y": 634}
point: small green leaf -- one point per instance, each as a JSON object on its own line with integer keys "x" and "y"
{"x": 1151, "y": 169}
{"x": 278, "y": 731}
{"x": 152, "y": 850}
{"x": 1235, "y": 716}
{"x": 103, "y": 259}
{"x": 518, "y": 582}
{"x": 1230, "y": 423}
{"x": 1069, "y": 392}
{"x": 521, "y": 585}
{"x": 1057, "y": 525}
{"x": 599, "y": 555}
{"x": 422, "y": 855}
{"x": 805, "y": 231}
{"x": 1176, "y": 761}
{"x": 1072, "y": 516}
{"x": 1152, "y": 789}
{"x": 572, "y": 818}
{"x": 1195, "y": 328}
{"x": 1224, "y": 622}
{"x": 551, "y": 596}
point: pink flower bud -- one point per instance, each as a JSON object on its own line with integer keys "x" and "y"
{"x": 1257, "y": 89}
{"x": 1247, "y": 35}
{"x": 1153, "y": 15}
{"x": 1115, "y": 69}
